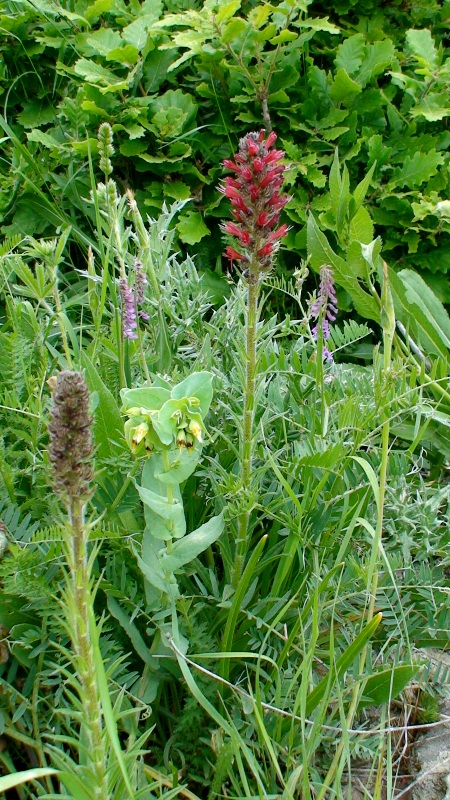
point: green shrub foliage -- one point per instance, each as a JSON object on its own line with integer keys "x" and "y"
{"x": 181, "y": 82}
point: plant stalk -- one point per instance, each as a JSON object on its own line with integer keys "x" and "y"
{"x": 82, "y": 641}
{"x": 247, "y": 431}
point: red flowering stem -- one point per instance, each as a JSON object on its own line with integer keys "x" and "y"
{"x": 256, "y": 198}
{"x": 247, "y": 428}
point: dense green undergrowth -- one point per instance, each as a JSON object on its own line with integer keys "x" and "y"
{"x": 180, "y": 83}
{"x": 263, "y": 549}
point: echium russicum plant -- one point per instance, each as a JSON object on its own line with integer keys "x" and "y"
{"x": 70, "y": 452}
{"x": 324, "y": 309}
{"x": 256, "y": 197}
{"x": 256, "y": 201}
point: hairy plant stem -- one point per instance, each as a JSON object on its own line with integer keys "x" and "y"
{"x": 62, "y": 329}
{"x": 247, "y": 429}
{"x": 80, "y": 591}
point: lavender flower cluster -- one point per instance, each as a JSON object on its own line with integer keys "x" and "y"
{"x": 325, "y": 307}
{"x": 133, "y": 298}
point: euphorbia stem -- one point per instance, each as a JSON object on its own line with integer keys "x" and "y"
{"x": 247, "y": 428}
{"x": 169, "y": 487}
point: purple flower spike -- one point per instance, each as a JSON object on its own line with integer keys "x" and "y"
{"x": 129, "y": 322}
{"x": 140, "y": 282}
{"x": 325, "y": 304}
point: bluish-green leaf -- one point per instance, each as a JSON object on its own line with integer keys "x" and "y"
{"x": 199, "y": 385}
{"x": 188, "y": 548}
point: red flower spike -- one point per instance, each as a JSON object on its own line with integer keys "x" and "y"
{"x": 239, "y": 203}
{"x": 262, "y": 219}
{"x": 233, "y": 254}
{"x": 267, "y": 250}
{"x": 231, "y": 192}
{"x": 278, "y": 234}
{"x": 256, "y": 198}
{"x": 273, "y": 156}
{"x": 230, "y": 165}
{"x": 232, "y": 228}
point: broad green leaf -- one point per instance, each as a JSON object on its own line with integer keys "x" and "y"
{"x": 152, "y": 398}
{"x": 382, "y": 687}
{"x": 343, "y": 87}
{"x": 361, "y": 227}
{"x": 330, "y": 134}
{"x": 335, "y": 182}
{"x": 96, "y": 9}
{"x": 417, "y": 169}
{"x": 433, "y": 106}
{"x": 151, "y": 569}
{"x": 101, "y": 41}
{"x": 198, "y": 385}
{"x": 177, "y": 100}
{"x": 225, "y": 12}
{"x": 99, "y": 76}
{"x": 284, "y": 36}
{"x": 188, "y": 548}
{"x": 234, "y": 29}
{"x": 182, "y": 465}
{"x": 191, "y": 227}
{"x": 378, "y": 58}
{"x": 172, "y": 513}
{"x": 137, "y": 32}
{"x": 45, "y": 139}
{"x": 421, "y": 43}
{"x": 169, "y": 122}
{"x": 342, "y": 664}
{"x": 266, "y": 33}
{"x": 155, "y": 69}
{"x": 350, "y": 54}
{"x": 319, "y": 24}
{"x": 124, "y": 55}
{"x": 17, "y": 778}
{"x": 259, "y": 15}
{"x": 108, "y": 422}
{"x": 360, "y": 192}
{"x": 36, "y": 113}
{"x": 344, "y": 199}
{"x": 422, "y": 313}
